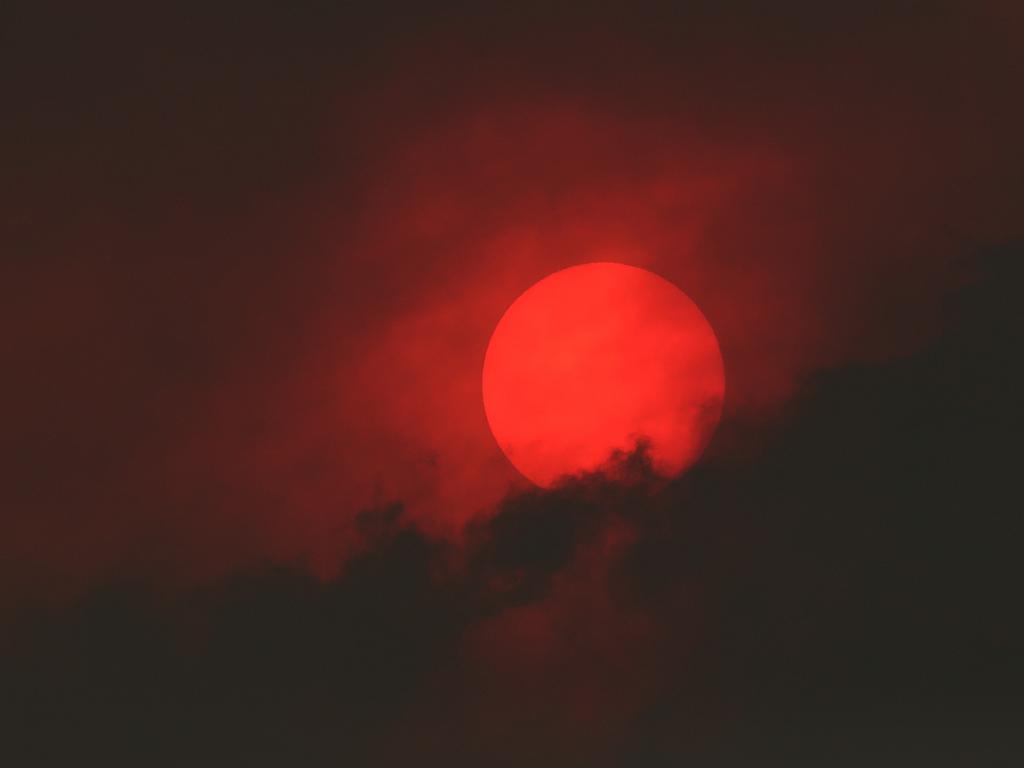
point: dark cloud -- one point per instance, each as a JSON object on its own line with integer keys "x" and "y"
{"x": 844, "y": 592}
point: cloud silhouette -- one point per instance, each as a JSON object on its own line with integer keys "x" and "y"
{"x": 847, "y": 593}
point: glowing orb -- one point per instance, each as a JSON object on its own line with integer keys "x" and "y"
{"x": 593, "y": 359}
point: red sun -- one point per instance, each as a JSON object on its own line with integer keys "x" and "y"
{"x": 593, "y": 359}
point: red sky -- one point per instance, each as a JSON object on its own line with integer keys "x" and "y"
{"x": 250, "y": 296}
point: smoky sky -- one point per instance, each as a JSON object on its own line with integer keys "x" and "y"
{"x": 250, "y": 510}
{"x": 252, "y": 259}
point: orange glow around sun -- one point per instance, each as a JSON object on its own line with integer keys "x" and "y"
{"x": 593, "y": 359}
